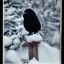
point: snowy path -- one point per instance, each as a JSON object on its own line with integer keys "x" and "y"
{"x": 46, "y": 53}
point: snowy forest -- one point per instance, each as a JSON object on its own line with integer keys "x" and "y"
{"x": 15, "y": 47}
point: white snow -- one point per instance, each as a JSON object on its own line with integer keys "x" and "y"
{"x": 19, "y": 10}
{"x": 10, "y": 10}
{"x": 7, "y": 41}
{"x": 34, "y": 37}
{"x": 56, "y": 18}
{"x": 58, "y": 4}
{"x": 22, "y": 44}
{"x": 23, "y": 53}
{"x": 51, "y": 26}
{"x": 57, "y": 24}
{"x": 9, "y": 18}
{"x": 18, "y": 19}
{"x": 19, "y": 27}
{"x": 12, "y": 47}
{"x": 29, "y": 5}
{"x": 13, "y": 56}
{"x": 6, "y": 5}
{"x": 16, "y": 42}
{"x": 24, "y": 32}
{"x": 19, "y": 35}
{"x": 56, "y": 38}
{"x": 46, "y": 53}
{"x": 13, "y": 36}
{"x": 51, "y": 13}
{"x": 34, "y": 61}
{"x": 46, "y": 12}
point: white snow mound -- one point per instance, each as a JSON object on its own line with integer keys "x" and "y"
{"x": 34, "y": 37}
{"x": 13, "y": 56}
{"x": 46, "y": 54}
{"x": 34, "y": 61}
{"x": 16, "y": 41}
{"x": 7, "y": 41}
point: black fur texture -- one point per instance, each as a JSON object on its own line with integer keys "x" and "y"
{"x": 31, "y": 21}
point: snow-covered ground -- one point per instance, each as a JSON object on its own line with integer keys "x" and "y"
{"x": 46, "y": 54}
{"x": 34, "y": 61}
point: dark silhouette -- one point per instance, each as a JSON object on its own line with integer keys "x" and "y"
{"x": 31, "y": 22}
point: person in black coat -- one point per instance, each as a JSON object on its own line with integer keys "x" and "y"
{"x": 31, "y": 21}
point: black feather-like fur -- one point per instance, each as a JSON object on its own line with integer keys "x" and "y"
{"x": 31, "y": 21}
